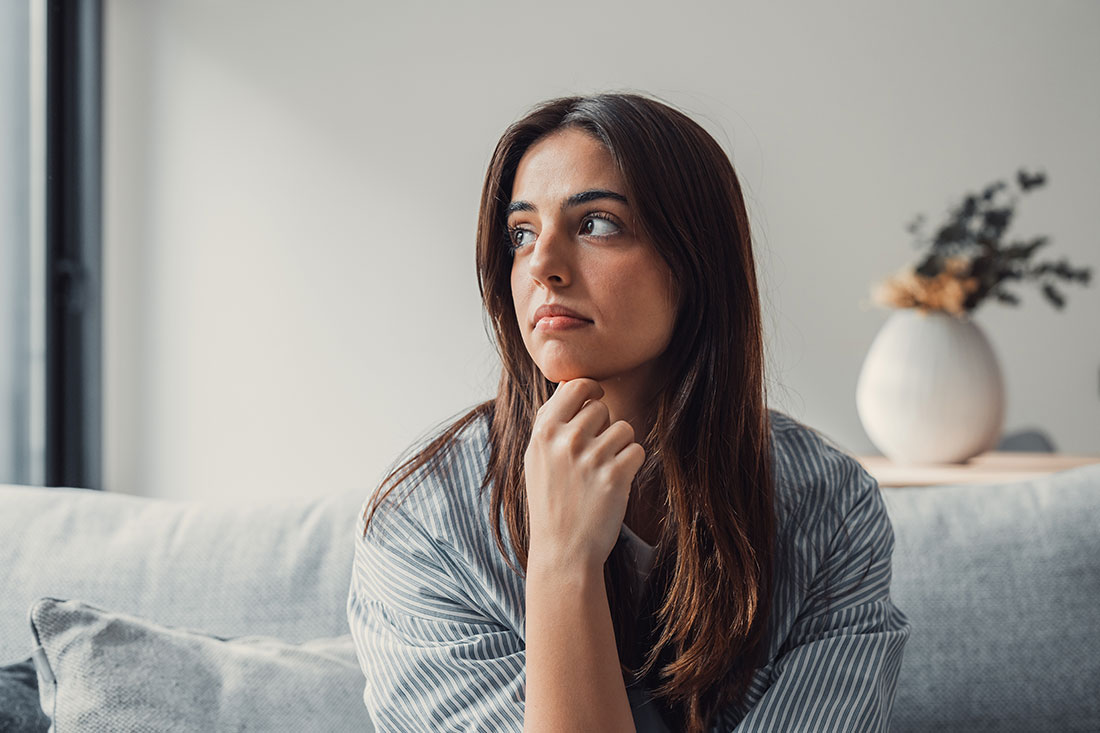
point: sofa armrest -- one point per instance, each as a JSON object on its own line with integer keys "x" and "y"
{"x": 1001, "y": 585}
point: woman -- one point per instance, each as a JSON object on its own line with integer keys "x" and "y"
{"x": 625, "y": 537}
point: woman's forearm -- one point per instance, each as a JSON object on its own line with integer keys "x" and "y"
{"x": 574, "y": 682}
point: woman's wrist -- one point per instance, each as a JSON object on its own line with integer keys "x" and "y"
{"x": 573, "y": 677}
{"x": 563, "y": 568}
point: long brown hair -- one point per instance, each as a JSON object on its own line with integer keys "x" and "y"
{"x": 704, "y": 617}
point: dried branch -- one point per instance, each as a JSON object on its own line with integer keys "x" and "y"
{"x": 967, "y": 262}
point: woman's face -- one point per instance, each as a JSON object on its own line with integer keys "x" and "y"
{"x": 576, "y": 247}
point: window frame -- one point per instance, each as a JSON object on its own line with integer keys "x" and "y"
{"x": 73, "y": 243}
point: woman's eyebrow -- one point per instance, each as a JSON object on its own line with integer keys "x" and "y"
{"x": 576, "y": 199}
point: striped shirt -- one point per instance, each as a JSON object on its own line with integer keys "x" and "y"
{"x": 437, "y": 615}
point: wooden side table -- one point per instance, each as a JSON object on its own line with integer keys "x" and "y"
{"x": 988, "y": 468}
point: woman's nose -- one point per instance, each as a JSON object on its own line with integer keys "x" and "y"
{"x": 550, "y": 262}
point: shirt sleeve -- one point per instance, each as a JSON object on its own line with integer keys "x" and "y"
{"x": 432, "y": 660}
{"x": 843, "y": 656}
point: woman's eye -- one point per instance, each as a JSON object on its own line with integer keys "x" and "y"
{"x": 601, "y": 226}
{"x": 516, "y": 236}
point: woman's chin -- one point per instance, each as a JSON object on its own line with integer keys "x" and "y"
{"x": 558, "y": 373}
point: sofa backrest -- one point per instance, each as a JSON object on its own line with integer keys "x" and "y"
{"x": 226, "y": 568}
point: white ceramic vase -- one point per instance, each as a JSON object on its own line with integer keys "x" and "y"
{"x": 930, "y": 390}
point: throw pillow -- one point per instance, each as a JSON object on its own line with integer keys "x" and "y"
{"x": 111, "y": 671}
{"x": 19, "y": 708}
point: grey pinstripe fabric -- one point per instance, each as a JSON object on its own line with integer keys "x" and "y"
{"x": 438, "y": 617}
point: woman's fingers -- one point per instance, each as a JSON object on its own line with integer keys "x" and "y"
{"x": 568, "y": 398}
{"x": 593, "y": 419}
{"x": 613, "y": 440}
{"x": 576, "y": 406}
{"x": 631, "y": 458}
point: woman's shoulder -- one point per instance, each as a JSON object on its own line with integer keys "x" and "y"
{"x": 815, "y": 480}
{"x": 441, "y": 493}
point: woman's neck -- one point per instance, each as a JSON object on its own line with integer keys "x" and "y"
{"x": 630, "y": 397}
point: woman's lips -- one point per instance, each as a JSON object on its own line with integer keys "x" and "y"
{"x": 560, "y": 323}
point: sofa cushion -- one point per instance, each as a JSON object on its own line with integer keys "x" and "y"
{"x": 19, "y": 708}
{"x": 230, "y": 567}
{"x": 1002, "y": 586}
{"x": 108, "y": 671}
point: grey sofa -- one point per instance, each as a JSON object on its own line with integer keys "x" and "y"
{"x": 1000, "y": 582}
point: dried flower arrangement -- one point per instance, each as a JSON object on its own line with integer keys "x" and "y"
{"x": 968, "y": 262}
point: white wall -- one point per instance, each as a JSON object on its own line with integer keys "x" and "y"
{"x": 292, "y": 193}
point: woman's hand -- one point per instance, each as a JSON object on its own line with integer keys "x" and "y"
{"x": 578, "y": 468}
